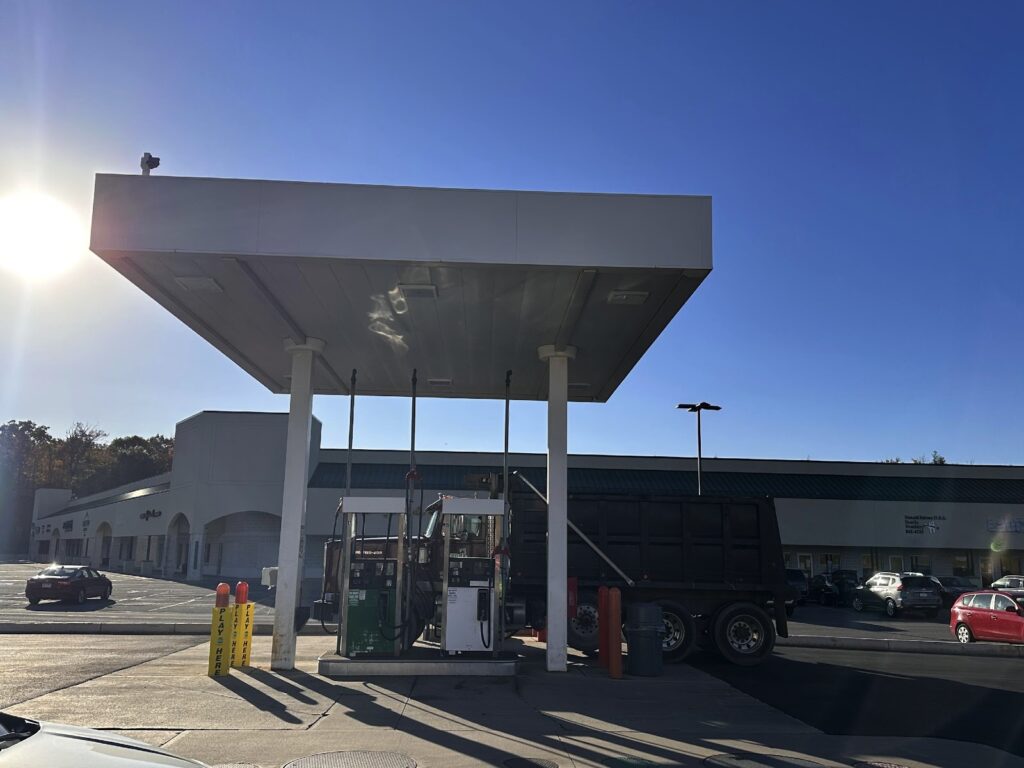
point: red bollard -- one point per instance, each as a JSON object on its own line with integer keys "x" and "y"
{"x": 223, "y": 595}
{"x": 602, "y": 626}
{"x": 614, "y": 633}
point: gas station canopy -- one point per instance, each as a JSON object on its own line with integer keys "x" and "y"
{"x": 459, "y": 284}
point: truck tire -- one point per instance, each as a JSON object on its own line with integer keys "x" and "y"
{"x": 743, "y": 634}
{"x": 581, "y": 631}
{"x": 680, "y": 631}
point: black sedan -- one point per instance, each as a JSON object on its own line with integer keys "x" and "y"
{"x": 74, "y": 583}
{"x": 952, "y": 587}
{"x": 834, "y": 588}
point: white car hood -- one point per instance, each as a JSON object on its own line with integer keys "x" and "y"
{"x": 67, "y": 746}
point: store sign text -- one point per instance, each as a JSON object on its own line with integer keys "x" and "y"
{"x": 921, "y": 524}
{"x": 1006, "y": 525}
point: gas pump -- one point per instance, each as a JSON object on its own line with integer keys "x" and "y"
{"x": 372, "y": 577}
{"x": 470, "y": 598}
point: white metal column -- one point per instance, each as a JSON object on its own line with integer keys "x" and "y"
{"x": 558, "y": 502}
{"x": 293, "y": 504}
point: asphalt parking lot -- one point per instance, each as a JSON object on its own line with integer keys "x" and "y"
{"x": 135, "y": 599}
{"x": 33, "y": 665}
{"x": 888, "y": 694}
{"x": 845, "y": 622}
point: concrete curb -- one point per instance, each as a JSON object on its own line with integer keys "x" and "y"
{"x": 943, "y": 647}
{"x": 127, "y": 628}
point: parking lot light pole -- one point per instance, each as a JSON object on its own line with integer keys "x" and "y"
{"x": 697, "y": 408}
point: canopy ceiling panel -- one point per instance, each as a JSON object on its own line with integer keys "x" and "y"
{"x": 458, "y": 284}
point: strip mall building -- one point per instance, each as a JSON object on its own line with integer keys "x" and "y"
{"x": 217, "y": 513}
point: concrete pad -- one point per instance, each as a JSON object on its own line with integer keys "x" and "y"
{"x": 601, "y": 750}
{"x": 358, "y": 713}
{"x": 173, "y": 703}
{"x": 155, "y": 738}
{"x": 524, "y": 721}
{"x": 461, "y": 749}
{"x": 272, "y": 749}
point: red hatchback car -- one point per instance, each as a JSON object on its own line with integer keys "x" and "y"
{"x": 987, "y": 615}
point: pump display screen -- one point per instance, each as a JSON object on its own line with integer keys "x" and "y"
{"x": 470, "y": 571}
{"x": 372, "y": 574}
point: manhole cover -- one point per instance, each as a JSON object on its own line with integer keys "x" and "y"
{"x": 760, "y": 761}
{"x": 878, "y": 764}
{"x": 357, "y": 759}
{"x": 529, "y": 762}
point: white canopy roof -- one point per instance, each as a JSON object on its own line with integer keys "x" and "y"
{"x": 459, "y": 284}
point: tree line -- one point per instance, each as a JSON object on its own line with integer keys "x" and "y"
{"x": 82, "y": 460}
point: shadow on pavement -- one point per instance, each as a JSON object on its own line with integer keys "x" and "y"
{"x": 898, "y": 700}
{"x": 258, "y": 699}
{"x": 866, "y": 621}
{"x": 57, "y": 606}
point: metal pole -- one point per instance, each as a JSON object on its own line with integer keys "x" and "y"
{"x": 411, "y": 477}
{"x": 506, "y": 523}
{"x": 504, "y": 469}
{"x": 351, "y": 432}
{"x": 412, "y": 439}
{"x": 698, "y": 453}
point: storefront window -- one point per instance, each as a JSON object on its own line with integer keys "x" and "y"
{"x": 962, "y": 565}
{"x": 921, "y": 564}
{"x": 828, "y": 562}
{"x": 1009, "y": 565}
{"x": 867, "y": 565}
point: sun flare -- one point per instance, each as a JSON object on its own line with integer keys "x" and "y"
{"x": 40, "y": 237}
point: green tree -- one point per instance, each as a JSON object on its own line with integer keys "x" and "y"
{"x": 81, "y": 455}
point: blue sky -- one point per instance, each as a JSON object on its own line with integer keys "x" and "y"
{"x": 865, "y": 162}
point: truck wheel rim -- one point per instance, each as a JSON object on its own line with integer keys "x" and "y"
{"x": 745, "y": 634}
{"x": 584, "y": 623}
{"x": 675, "y": 632}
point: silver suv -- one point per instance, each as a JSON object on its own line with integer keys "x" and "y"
{"x": 896, "y": 592}
{"x": 1009, "y": 583}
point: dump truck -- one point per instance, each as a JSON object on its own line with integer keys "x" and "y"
{"x": 713, "y": 564}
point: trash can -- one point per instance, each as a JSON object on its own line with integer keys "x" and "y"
{"x": 645, "y": 631}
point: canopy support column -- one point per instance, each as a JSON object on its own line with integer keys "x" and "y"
{"x": 558, "y": 502}
{"x": 293, "y": 504}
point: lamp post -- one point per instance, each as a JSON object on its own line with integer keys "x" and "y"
{"x": 697, "y": 408}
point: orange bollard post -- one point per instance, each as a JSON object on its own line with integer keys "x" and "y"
{"x": 602, "y": 626}
{"x": 614, "y": 634}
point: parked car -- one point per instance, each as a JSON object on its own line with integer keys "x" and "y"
{"x": 797, "y": 579}
{"x": 75, "y": 583}
{"x": 32, "y": 744}
{"x": 987, "y": 615}
{"x": 834, "y": 588}
{"x": 951, "y": 587}
{"x": 1012, "y": 584}
{"x": 896, "y": 592}
{"x": 846, "y": 581}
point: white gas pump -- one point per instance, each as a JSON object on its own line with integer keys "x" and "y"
{"x": 470, "y": 599}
